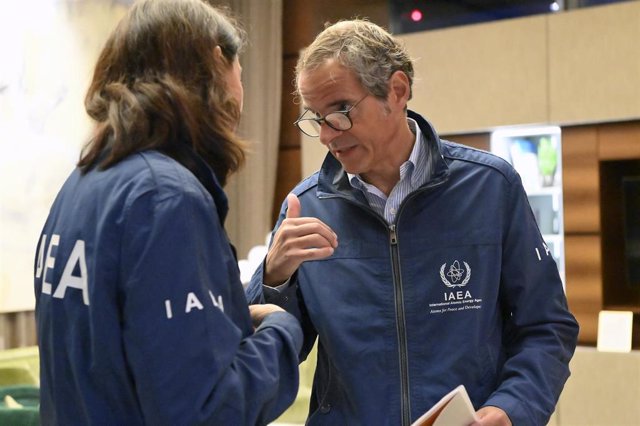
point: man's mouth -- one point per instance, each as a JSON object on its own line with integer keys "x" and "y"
{"x": 344, "y": 150}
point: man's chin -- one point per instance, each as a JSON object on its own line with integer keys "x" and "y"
{"x": 349, "y": 168}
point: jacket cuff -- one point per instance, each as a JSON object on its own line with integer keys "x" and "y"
{"x": 517, "y": 412}
{"x": 287, "y": 323}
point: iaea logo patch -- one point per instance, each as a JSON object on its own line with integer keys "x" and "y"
{"x": 452, "y": 278}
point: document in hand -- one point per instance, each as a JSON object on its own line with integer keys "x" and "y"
{"x": 454, "y": 409}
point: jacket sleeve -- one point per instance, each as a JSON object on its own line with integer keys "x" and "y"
{"x": 289, "y": 298}
{"x": 256, "y": 291}
{"x": 540, "y": 333}
{"x": 185, "y": 325}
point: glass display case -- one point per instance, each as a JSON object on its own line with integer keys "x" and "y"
{"x": 536, "y": 153}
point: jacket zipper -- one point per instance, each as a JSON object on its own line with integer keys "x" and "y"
{"x": 405, "y": 400}
{"x": 401, "y": 328}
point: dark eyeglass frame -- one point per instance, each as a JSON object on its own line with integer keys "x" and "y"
{"x": 321, "y": 120}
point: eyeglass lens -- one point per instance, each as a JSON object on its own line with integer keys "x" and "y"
{"x": 335, "y": 120}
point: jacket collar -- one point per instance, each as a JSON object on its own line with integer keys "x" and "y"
{"x": 333, "y": 179}
{"x": 196, "y": 164}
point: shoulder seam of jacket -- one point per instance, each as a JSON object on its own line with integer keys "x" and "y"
{"x": 499, "y": 164}
{"x": 306, "y": 184}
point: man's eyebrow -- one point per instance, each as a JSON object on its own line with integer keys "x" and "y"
{"x": 336, "y": 103}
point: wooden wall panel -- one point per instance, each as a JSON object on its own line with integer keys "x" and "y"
{"x": 584, "y": 283}
{"x": 592, "y": 240}
{"x": 299, "y": 25}
{"x": 594, "y": 64}
{"x": 289, "y": 134}
{"x": 618, "y": 292}
{"x": 580, "y": 179}
{"x": 619, "y": 141}
{"x": 480, "y": 76}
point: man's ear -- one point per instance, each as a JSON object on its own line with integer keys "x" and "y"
{"x": 217, "y": 53}
{"x": 399, "y": 89}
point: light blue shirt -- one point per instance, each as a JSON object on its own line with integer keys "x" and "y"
{"x": 413, "y": 174}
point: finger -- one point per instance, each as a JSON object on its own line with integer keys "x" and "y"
{"x": 294, "y": 257}
{"x": 293, "y": 206}
{"x": 317, "y": 253}
{"x": 305, "y": 226}
{"x": 309, "y": 241}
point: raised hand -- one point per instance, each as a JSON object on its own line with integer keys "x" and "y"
{"x": 298, "y": 239}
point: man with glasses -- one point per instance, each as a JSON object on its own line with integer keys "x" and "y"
{"x": 416, "y": 262}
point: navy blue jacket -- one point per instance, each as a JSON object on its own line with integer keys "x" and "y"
{"x": 141, "y": 316}
{"x": 459, "y": 290}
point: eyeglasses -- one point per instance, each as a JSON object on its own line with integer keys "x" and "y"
{"x": 337, "y": 120}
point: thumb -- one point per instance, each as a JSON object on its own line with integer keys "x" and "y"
{"x": 293, "y": 206}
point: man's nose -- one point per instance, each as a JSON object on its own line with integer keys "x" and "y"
{"x": 328, "y": 134}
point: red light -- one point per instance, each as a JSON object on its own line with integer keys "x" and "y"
{"x": 416, "y": 15}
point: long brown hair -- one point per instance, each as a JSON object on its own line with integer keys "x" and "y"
{"x": 157, "y": 85}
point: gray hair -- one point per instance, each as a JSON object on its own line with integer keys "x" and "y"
{"x": 363, "y": 47}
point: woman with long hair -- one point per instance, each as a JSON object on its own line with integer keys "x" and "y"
{"x": 141, "y": 315}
